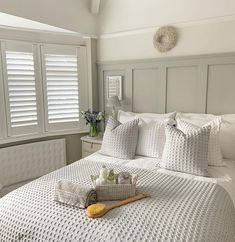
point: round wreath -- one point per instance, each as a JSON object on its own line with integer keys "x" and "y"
{"x": 165, "y": 38}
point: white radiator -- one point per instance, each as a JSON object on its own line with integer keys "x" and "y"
{"x": 26, "y": 162}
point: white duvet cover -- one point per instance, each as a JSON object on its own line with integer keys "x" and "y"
{"x": 178, "y": 209}
{"x": 224, "y": 176}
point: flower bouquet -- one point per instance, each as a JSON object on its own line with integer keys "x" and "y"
{"x": 93, "y": 118}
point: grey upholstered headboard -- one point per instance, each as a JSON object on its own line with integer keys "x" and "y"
{"x": 199, "y": 84}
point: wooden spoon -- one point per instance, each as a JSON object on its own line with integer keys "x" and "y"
{"x": 100, "y": 209}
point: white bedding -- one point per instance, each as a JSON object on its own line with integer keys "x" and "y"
{"x": 178, "y": 210}
{"x": 224, "y": 176}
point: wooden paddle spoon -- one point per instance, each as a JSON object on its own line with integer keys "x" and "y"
{"x": 99, "y": 209}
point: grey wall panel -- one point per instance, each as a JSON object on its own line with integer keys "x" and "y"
{"x": 221, "y": 89}
{"x": 148, "y": 91}
{"x": 202, "y": 84}
{"x": 185, "y": 90}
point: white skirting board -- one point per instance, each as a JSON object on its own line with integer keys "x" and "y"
{"x": 28, "y": 161}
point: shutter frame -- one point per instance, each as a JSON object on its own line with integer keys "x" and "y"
{"x": 51, "y": 51}
{"x": 3, "y": 127}
{"x": 13, "y": 97}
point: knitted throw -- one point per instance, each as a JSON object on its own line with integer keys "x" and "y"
{"x": 178, "y": 210}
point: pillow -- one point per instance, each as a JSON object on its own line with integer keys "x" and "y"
{"x": 202, "y": 120}
{"x": 120, "y": 139}
{"x": 151, "y": 138}
{"x": 186, "y": 152}
{"x": 128, "y": 116}
{"x": 227, "y": 136}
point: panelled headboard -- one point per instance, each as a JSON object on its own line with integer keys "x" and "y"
{"x": 199, "y": 84}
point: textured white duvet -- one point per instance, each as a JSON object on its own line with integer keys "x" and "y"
{"x": 178, "y": 210}
{"x": 224, "y": 176}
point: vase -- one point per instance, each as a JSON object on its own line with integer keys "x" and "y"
{"x": 93, "y": 130}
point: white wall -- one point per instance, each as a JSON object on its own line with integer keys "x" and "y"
{"x": 127, "y": 27}
{"x": 73, "y": 15}
{"x": 192, "y": 40}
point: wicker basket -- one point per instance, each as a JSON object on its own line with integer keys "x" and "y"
{"x": 115, "y": 191}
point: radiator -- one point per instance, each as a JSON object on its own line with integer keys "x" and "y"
{"x": 25, "y": 162}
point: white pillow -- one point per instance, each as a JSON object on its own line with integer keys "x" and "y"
{"x": 128, "y": 116}
{"x": 151, "y": 139}
{"x": 203, "y": 120}
{"x": 186, "y": 152}
{"x": 227, "y": 136}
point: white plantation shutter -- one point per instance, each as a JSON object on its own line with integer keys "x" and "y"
{"x": 20, "y": 88}
{"x": 62, "y": 88}
{"x": 62, "y": 81}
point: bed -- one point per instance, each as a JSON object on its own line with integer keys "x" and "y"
{"x": 223, "y": 176}
{"x": 180, "y": 208}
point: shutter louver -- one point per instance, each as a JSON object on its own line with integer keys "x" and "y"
{"x": 62, "y": 88}
{"x": 21, "y": 86}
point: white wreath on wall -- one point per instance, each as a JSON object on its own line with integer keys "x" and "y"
{"x": 165, "y": 38}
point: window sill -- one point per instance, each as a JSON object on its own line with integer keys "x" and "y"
{"x": 29, "y": 137}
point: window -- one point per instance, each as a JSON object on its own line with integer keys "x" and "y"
{"x": 61, "y": 87}
{"x": 45, "y": 88}
{"x": 20, "y": 88}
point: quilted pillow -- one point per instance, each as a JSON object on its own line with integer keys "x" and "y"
{"x": 196, "y": 121}
{"x": 120, "y": 140}
{"x": 186, "y": 152}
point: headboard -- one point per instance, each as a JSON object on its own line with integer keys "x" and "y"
{"x": 199, "y": 84}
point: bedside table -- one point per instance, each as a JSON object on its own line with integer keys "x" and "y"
{"x": 90, "y": 145}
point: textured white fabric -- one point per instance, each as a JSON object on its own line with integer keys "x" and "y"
{"x": 222, "y": 175}
{"x": 178, "y": 210}
{"x": 151, "y": 139}
{"x": 203, "y": 120}
{"x": 120, "y": 139}
{"x": 124, "y": 117}
{"x": 186, "y": 152}
{"x": 227, "y": 136}
{"x": 141, "y": 162}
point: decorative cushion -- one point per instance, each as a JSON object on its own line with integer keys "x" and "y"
{"x": 202, "y": 120}
{"x": 120, "y": 140}
{"x": 186, "y": 152}
{"x": 151, "y": 139}
{"x": 227, "y": 136}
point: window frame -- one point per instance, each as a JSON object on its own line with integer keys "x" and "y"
{"x": 9, "y": 134}
{"x": 82, "y": 85}
{"x": 3, "y": 133}
{"x": 21, "y": 46}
